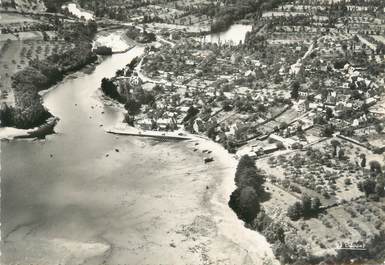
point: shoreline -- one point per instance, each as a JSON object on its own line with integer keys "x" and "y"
{"x": 256, "y": 248}
{"x": 251, "y": 245}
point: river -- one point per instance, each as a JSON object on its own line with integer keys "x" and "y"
{"x": 235, "y": 34}
{"x": 86, "y": 197}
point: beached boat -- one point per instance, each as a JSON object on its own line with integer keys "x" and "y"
{"x": 208, "y": 160}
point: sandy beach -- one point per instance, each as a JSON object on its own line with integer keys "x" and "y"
{"x": 243, "y": 246}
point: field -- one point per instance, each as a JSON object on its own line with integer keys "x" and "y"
{"x": 348, "y": 216}
{"x": 25, "y": 5}
{"x": 16, "y": 54}
{"x": 13, "y": 18}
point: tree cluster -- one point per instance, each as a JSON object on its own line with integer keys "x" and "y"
{"x": 246, "y": 198}
{"x": 142, "y": 37}
{"x": 103, "y": 50}
{"x": 374, "y": 186}
{"x": 305, "y": 208}
{"x": 225, "y": 16}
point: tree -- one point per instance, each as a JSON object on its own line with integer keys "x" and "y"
{"x": 324, "y": 94}
{"x": 306, "y": 205}
{"x": 133, "y": 107}
{"x": 248, "y": 177}
{"x": 295, "y": 90}
{"x": 211, "y": 131}
{"x": 294, "y": 212}
{"x": 347, "y": 181}
{"x": 315, "y": 204}
{"x": 367, "y": 186}
{"x": 340, "y": 63}
{"x": 280, "y": 145}
{"x": 191, "y": 113}
{"x": 363, "y": 160}
{"x": 234, "y": 200}
{"x": 379, "y": 128}
{"x": 328, "y": 130}
{"x": 380, "y": 48}
{"x": 329, "y": 113}
{"x": 129, "y": 119}
{"x": 245, "y": 203}
{"x": 380, "y": 187}
{"x": 283, "y": 125}
{"x": 6, "y": 115}
{"x": 244, "y": 162}
{"x": 335, "y": 144}
{"x": 227, "y": 105}
{"x": 375, "y": 167}
{"x": 103, "y": 50}
{"x": 109, "y": 89}
{"x": 249, "y": 204}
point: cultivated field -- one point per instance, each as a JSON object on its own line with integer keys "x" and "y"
{"x": 16, "y": 54}
{"x": 348, "y": 215}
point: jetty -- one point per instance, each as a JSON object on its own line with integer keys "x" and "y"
{"x": 162, "y": 135}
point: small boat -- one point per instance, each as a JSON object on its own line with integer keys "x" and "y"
{"x": 208, "y": 160}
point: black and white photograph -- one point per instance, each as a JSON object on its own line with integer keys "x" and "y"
{"x": 192, "y": 132}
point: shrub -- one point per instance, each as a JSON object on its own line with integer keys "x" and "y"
{"x": 347, "y": 181}
{"x": 295, "y": 211}
{"x": 367, "y": 186}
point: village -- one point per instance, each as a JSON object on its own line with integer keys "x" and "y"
{"x": 305, "y": 102}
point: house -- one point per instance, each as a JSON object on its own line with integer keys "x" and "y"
{"x": 165, "y": 123}
{"x": 268, "y": 149}
{"x": 370, "y": 101}
{"x": 303, "y": 106}
{"x": 303, "y": 93}
{"x": 250, "y": 73}
{"x": 235, "y": 58}
{"x": 135, "y": 80}
{"x": 145, "y": 124}
{"x": 285, "y": 141}
{"x": 190, "y": 62}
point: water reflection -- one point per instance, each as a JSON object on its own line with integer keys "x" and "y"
{"x": 235, "y": 34}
